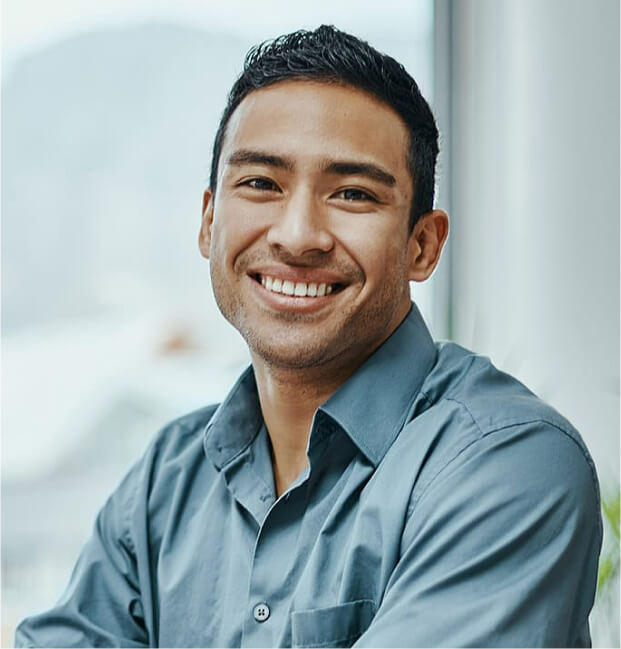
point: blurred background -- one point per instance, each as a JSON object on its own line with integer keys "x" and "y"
{"x": 109, "y": 327}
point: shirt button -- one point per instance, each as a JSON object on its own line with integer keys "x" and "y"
{"x": 261, "y": 612}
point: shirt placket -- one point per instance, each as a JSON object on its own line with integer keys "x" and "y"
{"x": 269, "y": 593}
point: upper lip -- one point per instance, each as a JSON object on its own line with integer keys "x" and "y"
{"x": 298, "y": 274}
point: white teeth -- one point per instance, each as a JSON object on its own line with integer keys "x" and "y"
{"x": 298, "y": 289}
{"x": 288, "y": 287}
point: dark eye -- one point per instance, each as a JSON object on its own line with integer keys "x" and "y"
{"x": 262, "y": 184}
{"x": 352, "y": 194}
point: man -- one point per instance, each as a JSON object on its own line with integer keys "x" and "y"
{"x": 360, "y": 484}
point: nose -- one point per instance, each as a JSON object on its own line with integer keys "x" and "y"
{"x": 301, "y": 225}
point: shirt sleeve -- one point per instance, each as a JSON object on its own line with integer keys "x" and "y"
{"x": 500, "y": 549}
{"x": 101, "y": 606}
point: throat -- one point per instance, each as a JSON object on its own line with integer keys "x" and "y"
{"x": 288, "y": 404}
{"x": 286, "y": 472}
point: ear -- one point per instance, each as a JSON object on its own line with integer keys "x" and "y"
{"x": 426, "y": 243}
{"x": 204, "y": 236}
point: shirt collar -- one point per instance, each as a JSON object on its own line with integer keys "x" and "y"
{"x": 236, "y": 422}
{"x": 372, "y": 406}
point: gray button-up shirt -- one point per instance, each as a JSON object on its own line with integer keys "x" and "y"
{"x": 443, "y": 505}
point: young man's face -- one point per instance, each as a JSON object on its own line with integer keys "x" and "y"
{"x": 307, "y": 233}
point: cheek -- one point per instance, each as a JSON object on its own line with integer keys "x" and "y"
{"x": 379, "y": 252}
{"x": 230, "y": 235}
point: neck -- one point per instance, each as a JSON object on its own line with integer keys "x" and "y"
{"x": 289, "y": 399}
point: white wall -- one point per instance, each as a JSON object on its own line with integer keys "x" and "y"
{"x": 534, "y": 152}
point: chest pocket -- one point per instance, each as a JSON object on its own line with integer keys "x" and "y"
{"x": 337, "y": 626}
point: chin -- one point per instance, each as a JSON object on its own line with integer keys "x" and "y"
{"x": 289, "y": 355}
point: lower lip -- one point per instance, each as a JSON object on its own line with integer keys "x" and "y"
{"x": 282, "y": 302}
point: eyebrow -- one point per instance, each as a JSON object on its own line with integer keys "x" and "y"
{"x": 248, "y": 156}
{"x": 337, "y": 167}
{"x": 347, "y": 168}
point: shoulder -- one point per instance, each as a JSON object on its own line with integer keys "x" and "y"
{"x": 488, "y": 421}
{"x": 178, "y": 444}
{"x": 489, "y": 399}
{"x": 494, "y": 398}
{"x": 174, "y": 448}
{"x": 181, "y": 433}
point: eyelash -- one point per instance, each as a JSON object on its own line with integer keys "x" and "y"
{"x": 269, "y": 185}
{"x": 365, "y": 195}
{"x": 250, "y": 181}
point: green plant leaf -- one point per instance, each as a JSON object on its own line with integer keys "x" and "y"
{"x": 605, "y": 572}
{"x": 610, "y": 507}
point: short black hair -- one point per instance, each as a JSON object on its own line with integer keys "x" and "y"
{"x": 331, "y": 55}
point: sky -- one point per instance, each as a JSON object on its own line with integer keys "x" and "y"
{"x": 29, "y": 25}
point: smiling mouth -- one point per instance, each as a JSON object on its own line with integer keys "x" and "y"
{"x": 297, "y": 289}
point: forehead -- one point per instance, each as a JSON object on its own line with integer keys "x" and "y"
{"x": 308, "y": 120}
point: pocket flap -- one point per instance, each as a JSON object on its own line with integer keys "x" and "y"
{"x": 336, "y": 626}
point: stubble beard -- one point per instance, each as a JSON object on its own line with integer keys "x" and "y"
{"x": 355, "y": 337}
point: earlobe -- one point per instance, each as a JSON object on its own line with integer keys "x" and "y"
{"x": 204, "y": 235}
{"x": 426, "y": 243}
